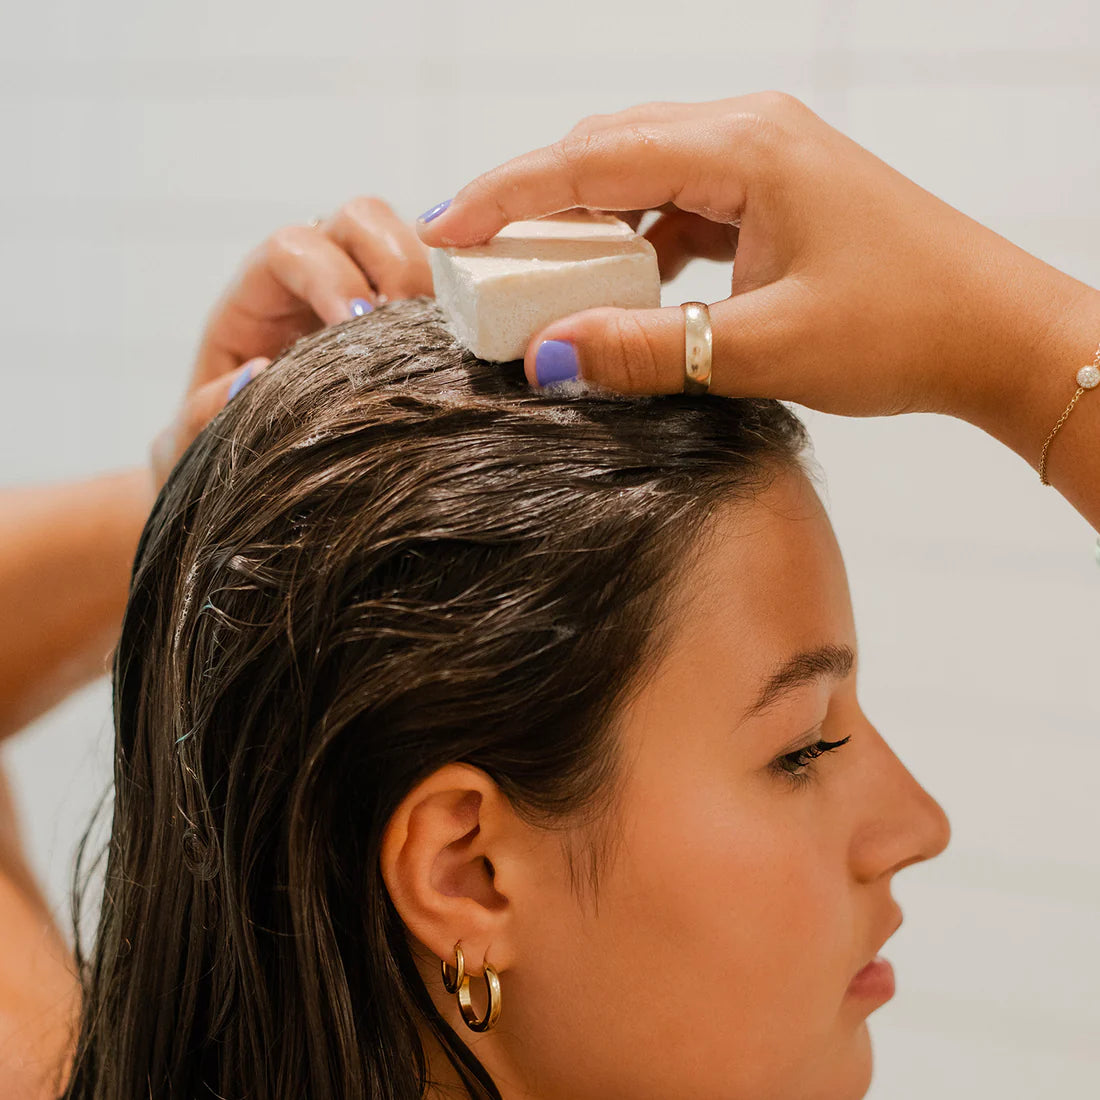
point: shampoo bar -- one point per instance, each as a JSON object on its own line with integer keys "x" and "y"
{"x": 496, "y": 296}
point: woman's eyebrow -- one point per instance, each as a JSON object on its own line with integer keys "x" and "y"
{"x": 827, "y": 661}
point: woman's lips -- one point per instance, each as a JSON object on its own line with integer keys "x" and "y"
{"x": 874, "y": 982}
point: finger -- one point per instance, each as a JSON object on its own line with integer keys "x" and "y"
{"x": 701, "y": 166}
{"x": 317, "y": 271}
{"x": 681, "y": 237}
{"x": 294, "y": 282}
{"x": 641, "y": 351}
{"x": 647, "y": 112}
{"x": 198, "y": 410}
{"x": 386, "y": 248}
{"x": 773, "y": 102}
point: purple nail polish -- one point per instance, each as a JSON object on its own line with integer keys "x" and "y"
{"x": 555, "y": 361}
{"x": 359, "y": 307}
{"x": 244, "y": 376}
{"x": 435, "y": 211}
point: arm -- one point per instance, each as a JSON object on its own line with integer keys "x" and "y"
{"x": 1034, "y": 390}
{"x": 39, "y": 993}
{"x": 65, "y": 556}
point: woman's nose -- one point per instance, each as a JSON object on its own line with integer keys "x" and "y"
{"x": 900, "y": 822}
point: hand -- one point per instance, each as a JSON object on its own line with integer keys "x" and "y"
{"x": 300, "y": 279}
{"x": 854, "y": 290}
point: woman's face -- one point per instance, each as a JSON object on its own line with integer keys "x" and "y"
{"x": 744, "y": 892}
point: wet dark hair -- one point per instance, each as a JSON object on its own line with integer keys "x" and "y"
{"x": 383, "y": 557}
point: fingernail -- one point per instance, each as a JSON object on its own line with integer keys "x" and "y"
{"x": 359, "y": 307}
{"x": 435, "y": 211}
{"x": 555, "y": 361}
{"x": 244, "y": 376}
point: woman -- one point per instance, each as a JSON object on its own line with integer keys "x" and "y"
{"x": 576, "y": 860}
{"x": 419, "y": 662}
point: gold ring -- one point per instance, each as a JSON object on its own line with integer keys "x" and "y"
{"x": 698, "y": 347}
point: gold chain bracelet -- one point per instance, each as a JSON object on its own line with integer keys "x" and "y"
{"x": 1088, "y": 378}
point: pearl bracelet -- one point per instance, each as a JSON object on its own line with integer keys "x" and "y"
{"x": 1088, "y": 378}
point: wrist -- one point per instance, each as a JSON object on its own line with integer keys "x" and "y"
{"x": 1048, "y": 329}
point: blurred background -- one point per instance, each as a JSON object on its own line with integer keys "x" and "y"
{"x": 148, "y": 147}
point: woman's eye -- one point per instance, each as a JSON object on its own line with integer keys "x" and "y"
{"x": 796, "y": 765}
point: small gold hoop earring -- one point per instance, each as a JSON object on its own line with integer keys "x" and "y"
{"x": 451, "y": 984}
{"x": 466, "y": 1005}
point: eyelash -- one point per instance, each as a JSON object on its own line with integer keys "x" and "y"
{"x": 797, "y": 767}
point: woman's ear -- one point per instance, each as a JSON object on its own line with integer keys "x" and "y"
{"x": 446, "y": 855}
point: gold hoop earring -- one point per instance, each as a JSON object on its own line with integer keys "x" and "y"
{"x": 466, "y": 1005}
{"x": 451, "y": 984}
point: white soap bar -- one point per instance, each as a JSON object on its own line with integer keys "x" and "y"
{"x": 496, "y": 296}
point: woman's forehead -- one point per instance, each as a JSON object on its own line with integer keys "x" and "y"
{"x": 767, "y": 584}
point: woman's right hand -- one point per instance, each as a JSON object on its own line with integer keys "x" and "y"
{"x": 854, "y": 291}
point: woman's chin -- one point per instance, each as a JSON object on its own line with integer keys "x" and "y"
{"x": 862, "y": 1064}
{"x": 852, "y": 1075}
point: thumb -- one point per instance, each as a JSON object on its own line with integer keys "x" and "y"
{"x": 641, "y": 351}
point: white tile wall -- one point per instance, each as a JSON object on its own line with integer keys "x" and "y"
{"x": 147, "y": 147}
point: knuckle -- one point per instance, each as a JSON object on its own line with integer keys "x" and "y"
{"x": 365, "y": 208}
{"x": 287, "y": 241}
{"x": 743, "y": 124}
{"x": 779, "y": 102}
{"x": 569, "y": 155}
{"x": 590, "y": 122}
{"x": 627, "y": 354}
{"x": 490, "y": 190}
{"x": 654, "y": 109}
{"x": 757, "y": 132}
{"x": 572, "y": 149}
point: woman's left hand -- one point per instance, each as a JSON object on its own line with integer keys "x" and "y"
{"x": 301, "y": 278}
